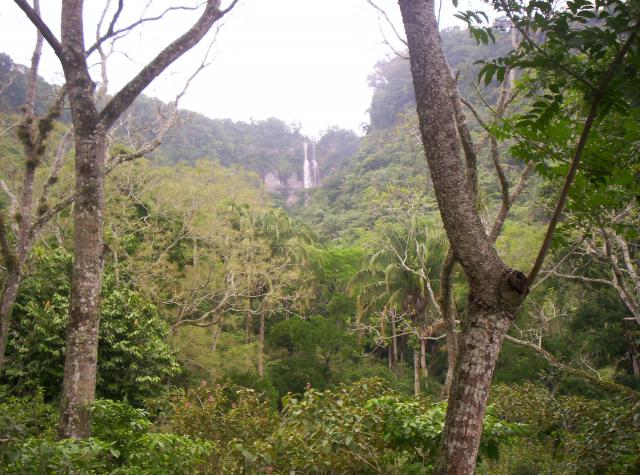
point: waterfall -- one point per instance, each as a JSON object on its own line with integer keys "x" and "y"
{"x": 315, "y": 174}
{"x": 310, "y": 170}
{"x": 307, "y": 177}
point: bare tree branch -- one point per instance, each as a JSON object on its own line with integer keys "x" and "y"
{"x": 112, "y": 32}
{"x": 56, "y": 166}
{"x": 507, "y": 203}
{"x": 44, "y": 218}
{"x": 123, "y": 99}
{"x": 384, "y": 15}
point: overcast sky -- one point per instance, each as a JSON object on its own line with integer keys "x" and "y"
{"x": 303, "y": 61}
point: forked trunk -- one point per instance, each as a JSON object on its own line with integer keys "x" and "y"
{"x": 90, "y": 127}
{"x": 496, "y": 291}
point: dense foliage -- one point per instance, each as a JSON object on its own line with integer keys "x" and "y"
{"x": 238, "y": 336}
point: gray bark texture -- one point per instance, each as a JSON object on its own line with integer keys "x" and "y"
{"x": 90, "y": 135}
{"x": 495, "y": 290}
{"x": 79, "y": 381}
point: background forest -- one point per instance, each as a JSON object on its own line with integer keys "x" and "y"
{"x": 243, "y": 332}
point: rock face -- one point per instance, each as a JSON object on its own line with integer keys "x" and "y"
{"x": 289, "y": 186}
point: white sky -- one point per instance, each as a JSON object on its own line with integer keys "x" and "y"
{"x": 303, "y": 61}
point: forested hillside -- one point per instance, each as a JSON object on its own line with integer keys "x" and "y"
{"x": 234, "y": 334}
{"x": 262, "y": 146}
{"x": 271, "y": 145}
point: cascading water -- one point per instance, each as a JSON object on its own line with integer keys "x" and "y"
{"x": 307, "y": 172}
{"x": 315, "y": 173}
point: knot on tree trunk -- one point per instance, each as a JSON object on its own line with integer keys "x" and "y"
{"x": 514, "y": 287}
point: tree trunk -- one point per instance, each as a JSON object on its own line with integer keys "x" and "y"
{"x": 195, "y": 252}
{"x": 9, "y": 294}
{"x": 90, "y": 127}
{"x": 248, "y": 322}
{"x": 390, "y": 357}
{"x": 634, "y": 354}
{"x": 423, "y": 360}
{"x": 79, "y": 383}
{"x": 479, "y": 349}
{"x": 215, "y": 334}
{"x": 261, "y": 346}
{"x": 416, "y": 372}
{"x": 116, "y": 267}
{"x": 452, "y": 350}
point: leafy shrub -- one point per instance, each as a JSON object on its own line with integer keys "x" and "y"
{"x": 585, "y": 436}
{"x": 360, "y": 428}
{"x": 40, "y": 455}
{"x": 122, "y": 443}
{"x": 235, "y": 420}
{"x": 367, "y": 428}
{"x": 133, "y": 355}
{"x": 24, "y": 417}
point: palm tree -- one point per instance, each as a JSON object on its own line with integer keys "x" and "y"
{"x": 397, "y": 280}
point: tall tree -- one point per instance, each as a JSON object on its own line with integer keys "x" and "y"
{"x": 90, "y": 133}
{"x": 495, "y": 290}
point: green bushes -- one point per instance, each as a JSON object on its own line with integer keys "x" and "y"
{"x": 577, "y": 435}
{"x": 134, "y": 356}
{"x": 361, "y": 428}
{"x": 122, "y": 443}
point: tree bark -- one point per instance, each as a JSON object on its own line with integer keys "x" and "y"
{"x": 215, "y": 334}
{"x": 248, "y": 321}
{"x": 449, "y": 316}
{"x": 79, "y": 382}
{"x": 480, "y": 345}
